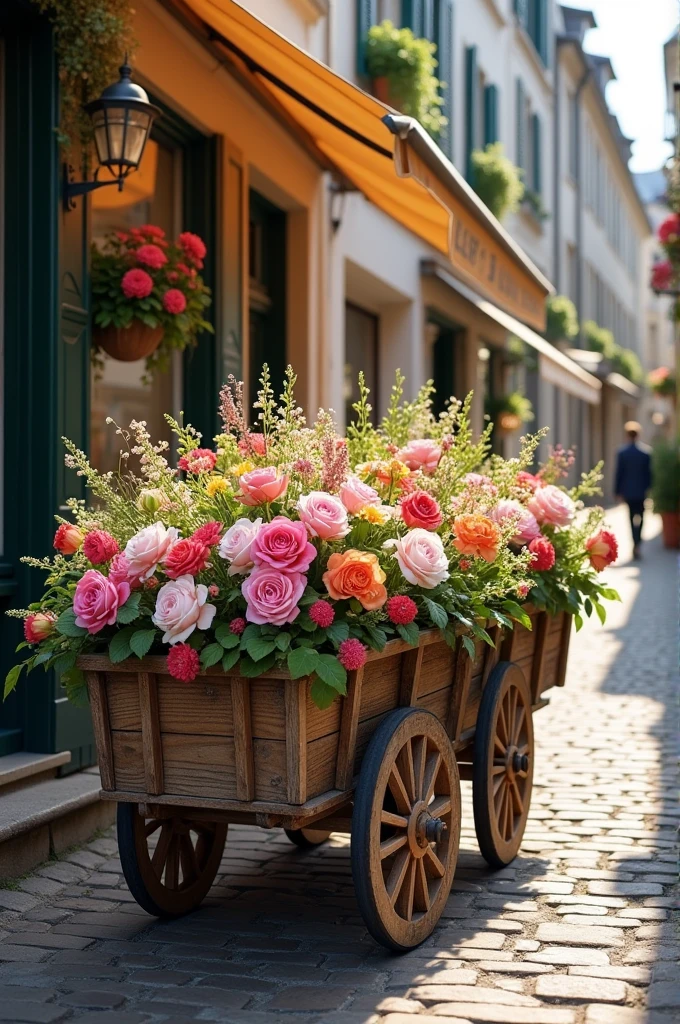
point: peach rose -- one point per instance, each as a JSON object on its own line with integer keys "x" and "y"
{"x": 181, "y": 608}
{"x": 421, "y": 558}
{"x": 356, "y": 574}
{"x": 324, "y": 515}
{"x": 147, "y": 549}
{"x": 421, "y": 454}
{"x": 552, "y": 506}
{"x": 602, "y": 549}
{"x": 355, "y": 495}
{"x": 261, "y": 486}
{"x": 476, "y": 535}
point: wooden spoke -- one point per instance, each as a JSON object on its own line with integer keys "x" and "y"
{"x": 499, "y": 780}
{"x": 390, "y": 846}
{"x": 152, "y": 826}
{"x": 517, "y": 801}
{"x": 502, "y": 726}
{"x": 434, "y": 763}
{"x": 172, "y": 864}
{"x": 499, "y": 746}
{"x": 405, "y": 761}
{"x": 397, "y": 875}
{"x": 404, "y": 902}
{"x": 189, "y": 861}
{"x": 521, "y": 716}
{"x": 422, "y": 889}
{"x": 398, "y": 790}
{"x": 440, "y": 806}
{"x": 419, "y": 760}
{"x": 160, "y": 854}
{"x": 388, "y": 818}
{"x": 432, "y": 861}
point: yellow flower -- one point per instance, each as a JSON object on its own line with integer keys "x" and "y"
{"x": 372, "y": 514}
{"x": 398, "y": 469}
{"x": 216, "y": 485}
{"x": 364, "y": 469}
{"x": 243, "y": 467}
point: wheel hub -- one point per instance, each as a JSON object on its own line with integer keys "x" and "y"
{"x": 424, "y": 829}
{"x": 515, "y": 762}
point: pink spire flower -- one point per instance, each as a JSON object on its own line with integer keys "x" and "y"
{"x": 352, "y": 654}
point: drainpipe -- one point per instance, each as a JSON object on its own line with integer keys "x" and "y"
{"x": 579, "y": 199}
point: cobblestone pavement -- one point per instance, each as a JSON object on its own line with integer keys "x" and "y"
{"x": 579, "y": 930}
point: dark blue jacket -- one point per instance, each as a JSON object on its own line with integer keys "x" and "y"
{"x": 633, "y": 472}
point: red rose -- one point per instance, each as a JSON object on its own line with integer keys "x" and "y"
{"x": 99, "y": 546}
{"x": 420, "y": 509}
{"x": 669, "y": 230}
{"x": 186, "y": 558}
{"x": 68, "y": 539}
{"x": 544, "y": 554}
{"x": 174, "y": 301}
{"x": 603, "y": 549}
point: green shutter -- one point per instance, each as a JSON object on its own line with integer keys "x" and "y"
{"x": 413, "y": 15}
{"x": 536, "y": 153}
{"x": 490, "y": 114}
{"x": 521, "y": 8}
{"x": 428, "y": 27}
{"x": 367, "y": 15}
{"x": 520, "y": 156}
{"x": 444, "y": 41}
{"x": 471, "y": 93}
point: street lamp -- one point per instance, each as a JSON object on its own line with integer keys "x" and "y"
{"x": 121, "y": 120}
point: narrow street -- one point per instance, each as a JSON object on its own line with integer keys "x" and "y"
{"x": 579, "y": 930}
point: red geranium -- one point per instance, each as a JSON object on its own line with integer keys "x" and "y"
{"x": 174, "y": 301}
{"x": 669, "y": 230}
{"x": 198, "y": 460}
{"x": 543, "y": 554}
{"x": 136, "y": 284}
{"x": 662, "y": 275}
{"x": 183, "y": 663}
{"x": 151, "y": 256}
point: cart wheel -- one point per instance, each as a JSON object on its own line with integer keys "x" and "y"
{"x": 175, "y": 877}
{"x": 405, "y": 828}
{"x": 307, "y": 838}
{"x": 503, "y": 764}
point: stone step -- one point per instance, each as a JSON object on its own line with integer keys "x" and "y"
{"x": 25, "y": 769}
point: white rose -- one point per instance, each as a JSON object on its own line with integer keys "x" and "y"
{"x": 422, "y": 558}
{"x": 235, "y": 545}
{"x": 181, "y": 608}
{"x": 147, "y": 548}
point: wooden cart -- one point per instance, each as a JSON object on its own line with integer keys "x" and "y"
{"x": 383, "y": 763}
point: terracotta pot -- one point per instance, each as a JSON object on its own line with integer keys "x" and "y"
{"x": 670, "y": 525}
{"x": 509, "y": 422}
{"x": 380, "y": 87}
{"x": 127, "y": 344}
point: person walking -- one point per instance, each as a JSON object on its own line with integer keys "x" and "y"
{"x": 633, "y": 480}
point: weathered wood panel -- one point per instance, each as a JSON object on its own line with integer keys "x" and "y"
{"x": 128, "y": 761}
{"x": 201, "y": 708}
{"x": 437, "y": 669}
{"x": 199, "y": 765}
{"x": 380, "y": 690}
{"x": 122, "y": 692}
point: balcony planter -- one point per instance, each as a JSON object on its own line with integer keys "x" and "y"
{"x": 128, "y": 344}
{"x": 670, "y": 529}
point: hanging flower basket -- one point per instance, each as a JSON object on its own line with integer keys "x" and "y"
{"x": 128, "y": 344}
{"x": 509, "y": 421}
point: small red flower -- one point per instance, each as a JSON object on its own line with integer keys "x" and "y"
{"x": 236, "y": 626}
{"x": 528, "y": 480}
{"x": 193, "y": 246}
{"x": 253, "y": 443}
{"x": 209, "y": 533}
{"x": 187, "y": 557}
{"x": 523, "y": 589}
{"x": 465, "y": 564}
{"x": 99, "y": 546}
{"x": 151, "y": 231}
{"x": 214, "y": 590}
{"x": 669, "y": 230}
{"x": 401, "y": 609}
{"x": 151, "y": 256}
{"x": 199, "y": 460}
{"x": 544, "y": 554}
{"x": 68, "y": 539}
{"x": 174, "y": 301}
{"x": 136, "y": 284}
{"x": 322, "y": 613}
{"x": 662, "y": 276}
{"x": 183, "y": 663}
{"x": 352, "y": 654}
{"x": 39, "y": 626}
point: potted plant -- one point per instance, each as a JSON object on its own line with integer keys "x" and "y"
{"x": 402, "y": 69}
{"x": 496, "y": 180}
{"x": 666, "y": 489}
{"x": 561, "y": 319}
{"x": 148, "y": 295}
{"x": 662, "y": 382}
{"x": 510, "y": 411}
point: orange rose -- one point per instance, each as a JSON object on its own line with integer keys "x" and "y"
{"x": 356, "y": 574}
{"x": 476, "y": 535}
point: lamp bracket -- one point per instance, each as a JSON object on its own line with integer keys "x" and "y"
{"x": 71, "y": 189}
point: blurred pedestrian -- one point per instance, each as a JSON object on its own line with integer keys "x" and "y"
{"x": 633, "y": 479}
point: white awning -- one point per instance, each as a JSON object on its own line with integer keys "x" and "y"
{"x": 554, "y": 366}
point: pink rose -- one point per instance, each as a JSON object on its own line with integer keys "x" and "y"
{"x": 147, "y": 549}
{"x": 235, "y": 546}
{"x": 99, "y": 546}
{"x": 527, "y": 527}
{"x": 552, "y": 506}
{"x": 119, "y": 570}
{"x": 422, "y": 558}
{"x": 282, "y": 544}
{"x": 421, "y": 454}
{"x": 260, "y": 486}
{"x": 324, "y": 515}
{"x": 181, "y": 608}
{"x": 97, "y": 600}
{"x": 273, "y": 596}
{"x": 355, "y": 495}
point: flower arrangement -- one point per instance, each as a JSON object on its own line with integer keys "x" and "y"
{"x": 662, "y": 381}
{"x": 291, "y": 545}
{"x": 140, "y": 276}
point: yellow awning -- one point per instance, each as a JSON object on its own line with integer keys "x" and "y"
{"x": 388, "y": 158}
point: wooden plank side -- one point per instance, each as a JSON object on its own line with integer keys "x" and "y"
{"x": 128, "y": 761}
{"x": 380, "y": 689}
{"x": 151, "y": 733}
{"x": 459, "y": 692}
{"x": 199, "y": 765}
{"x": 409, "y": 678}
{"x": 101, "y": 727}
{"x": 438, "y": 668}
{"x": 296, "y": 742}
{"x": 344, "y": 771}
{"x": 565, "y": 637}
{"x": 205, "y": 710}
{"x": 492, "y": 654}
{"x": 541, "y": 623}
{"x": 243, "y": 739}
{"x": 122, "y": 695}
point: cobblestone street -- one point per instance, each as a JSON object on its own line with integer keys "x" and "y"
{"x": 579, "y": 930}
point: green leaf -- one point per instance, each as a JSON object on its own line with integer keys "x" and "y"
{"x": 601, "y": 612}
{"x": 20, "y": 647}
{"x": 469, "y": 646}
{"x": 322, "y": 694}
{"x": 302, "y": 661}
{"x": 282, "y": 641}
{"x": 517, "y": 612}
{"x": 66, "y": 624}
{"x": 502, "y": 619}
{"x": 610, "y": 594}
{"x": 42, "y": 657}
{"x": 304, "y": 622}
{"x": 409, "y": 632}
{"x": 258, "y": 647}
{"x": 76, "y": 688}
{"x": 437, "y": 614}
{"x": 482, "y": 634}
{"x": 130, "y": 610}
{"x": 332, "y": 672}
{"x": 196, "y": 640}
{"x": 377, "y": 637}
{"x": 211, "y": 654}
{"x": 230, "y": 658}
{"x": 451, "y": 636}
{"x": 119, "y": 648}
{"x": 141, "y": 641}
{"x": 338, "y": 632}
{"x": 225, "y": 637}
{"x": 64, "y": 662}
{"x": 588, "y": 607}
{"x": 252, "y": 668}
{"x": 309, "y": 597}
{"x": 579, "y": 622}
{"x": 12, "y": 678}
{"x": 356, "y": 606}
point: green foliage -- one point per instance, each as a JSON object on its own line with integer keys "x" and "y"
{"x": 496, "y": 180}
{"x": 666, "y": 476}
{"x": 409, "y": 66}
{"x": 622, "y": 360}
{"x": 662, "y": 381}
{"x": 93, "y": 36}
{"x": 561, "y": 319}
{"x": 534, "y": 202}
{"x": 514, "y": 405}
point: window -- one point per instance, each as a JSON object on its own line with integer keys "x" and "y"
{"x": 536, "y": 171}
{"x": 266, "y": 292}
{"x": 367, "y": 15}
{"x": 533, "y": 17}
{"x": 572, "y": 121}
{"x": 420, "y": 17}
{"x": 444, "y": 339}
{"x": 471, "y": 106}
{"x": 490, "y": 114}
{"x": 361, "y": 353}
{"x": 520, "y": 125}
{"x": 444, "y": 39}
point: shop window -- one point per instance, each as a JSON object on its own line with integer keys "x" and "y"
{"x": 267, "y": 292}
{"x": 361, "y": 353}
{"x": 445, "y": 340}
